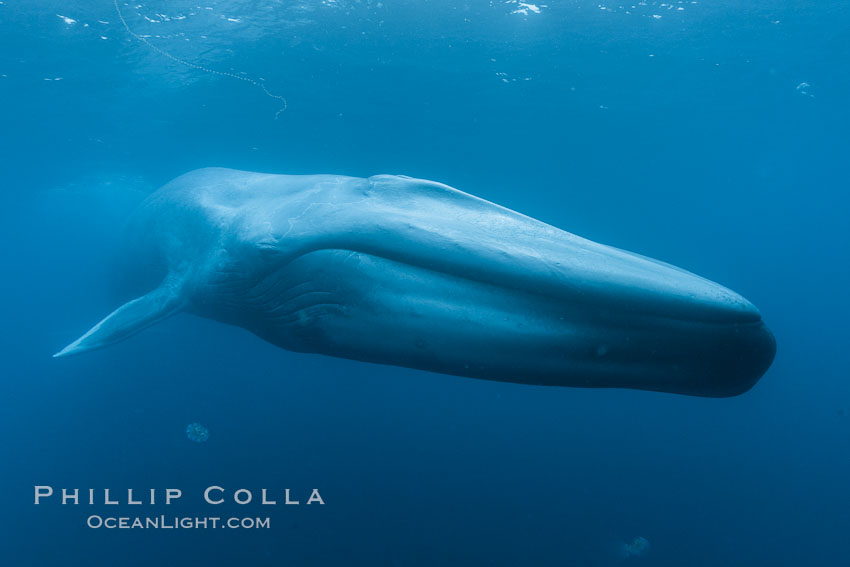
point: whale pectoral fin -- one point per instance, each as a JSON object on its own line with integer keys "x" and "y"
{"x": 130, "y": 318}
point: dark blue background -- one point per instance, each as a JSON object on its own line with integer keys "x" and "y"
{"x": 685, "y": 138}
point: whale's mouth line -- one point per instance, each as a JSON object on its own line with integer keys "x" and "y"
{"x": 595, "y": 301}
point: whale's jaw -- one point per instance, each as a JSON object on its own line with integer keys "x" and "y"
{"x": 361, "y": 306}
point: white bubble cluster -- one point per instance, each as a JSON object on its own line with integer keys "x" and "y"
{"x": 805, "y": 89}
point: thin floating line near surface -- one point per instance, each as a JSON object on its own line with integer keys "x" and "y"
{"x": 260, "y": 83}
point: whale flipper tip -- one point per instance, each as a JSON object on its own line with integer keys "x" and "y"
{"x": 129, "y": 319}
{"x": 67, "y": 351}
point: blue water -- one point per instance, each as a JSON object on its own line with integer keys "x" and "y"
{"x": 714, "y": 137}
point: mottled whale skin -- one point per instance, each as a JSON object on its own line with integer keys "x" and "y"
{"x": 408, "y": 272}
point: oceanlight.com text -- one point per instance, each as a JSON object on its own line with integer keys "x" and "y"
{"x": 175, "y": 522}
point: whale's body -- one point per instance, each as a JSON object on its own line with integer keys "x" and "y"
{"x": 402, "y": 271}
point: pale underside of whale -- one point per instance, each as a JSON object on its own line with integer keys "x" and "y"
{"x": 408, "y": 272}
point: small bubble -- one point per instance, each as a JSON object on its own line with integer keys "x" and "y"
{"x": 197, "y": 432}
{"x": 805, "y": 89}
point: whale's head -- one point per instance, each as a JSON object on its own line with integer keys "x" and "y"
{"x": 413, "y": 273}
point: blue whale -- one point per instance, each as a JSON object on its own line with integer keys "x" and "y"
{"x": 408, "y": 272}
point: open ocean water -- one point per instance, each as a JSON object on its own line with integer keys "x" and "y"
{"x": 711, "y": 134}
